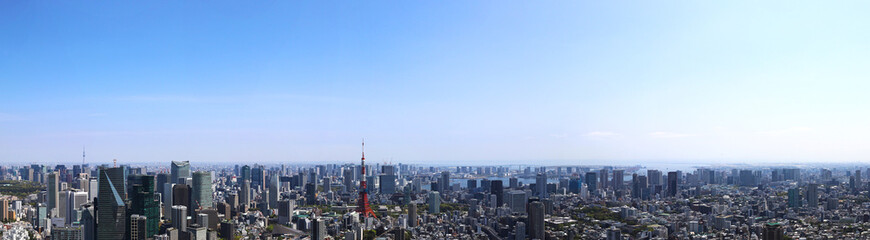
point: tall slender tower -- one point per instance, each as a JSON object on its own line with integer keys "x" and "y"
{"x": 363, "y": 202}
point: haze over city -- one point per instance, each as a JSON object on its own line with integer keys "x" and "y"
{"x": 481, "y": 82}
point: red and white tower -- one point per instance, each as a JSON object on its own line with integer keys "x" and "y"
{"x": 363, "y": 202}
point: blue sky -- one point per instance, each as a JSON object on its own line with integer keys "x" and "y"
{"x": 447, "y": 82}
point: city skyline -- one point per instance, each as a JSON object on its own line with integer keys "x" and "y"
{"x": 476, "y": 83}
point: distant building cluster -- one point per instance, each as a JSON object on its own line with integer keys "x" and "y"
{"x": 178, "y": 201}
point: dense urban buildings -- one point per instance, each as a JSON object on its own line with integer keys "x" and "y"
{"x": 322, "y": 201}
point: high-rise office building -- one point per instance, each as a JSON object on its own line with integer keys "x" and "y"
{"x": 347, "y": 179}
{"x": 245, "y": 173}
{"x": 139, "y": 227}
{"x": 639, "y": 187}
{"x": 517, "y": 200}
{"x": 618, "y": 179}
{"x": 654, "y": 177}
{"x": 412, "y": 215}
{"x": 445, "y": 181}
{"x": 812, "y": 195}
{"x": 179, "y": 169}
{"x": 111, "y": 208}
{"x": 162, "y": 180}
{"x": 434, "y": 202}
{"x": 245, "y": 191}
{"x": 274, "y": 191}
{"x": 181, "y": 196}
{"x": 497, "y": 189}
{"x": 536, "y": 219}
{"x": 285, "y": 210}
{"x": 258, "y": 177}
{"x": 310, "y": 194}
{"x": 603, "y": 178}
{"x": 318, "y": 231}
{"x": 93, "y": 188}
{"x": 53, "y": 191}
{"x": 673, "y": 184}
{"x": 541, "y": 185}
{"x": 591, "y": 181}
{"x": 574, "y": 185}
{"x": 179, "y": 218}
{"x": 471, "y": 184}
{"x": 747, "y": 178}
{"x": 146, "y": 204}
{"x": 4, "y": 209}
{"x": 88, "y": 222}
{"x": 201, "y": 191}
{"x": 75, "y": 200}
{"x": 794, "y": 198}
{"x": 228, "y": 230}
{"x": 388, "y": 184}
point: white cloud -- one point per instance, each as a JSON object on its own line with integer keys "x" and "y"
{"x": 669, "y": 135}
{"x": 601, "y": 134}
{"x": 784, "y": 132}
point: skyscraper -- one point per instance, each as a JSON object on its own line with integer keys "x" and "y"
{"x": 285, "y": 210}
{"x": 52, "y": 191}
{"x": 412, "y": 215}
{"x": 274, "y": 192}
{"x": 179, "y": 218}
{"x": 673, "y": 181}
{"x": 144, "y": 202}
{"x": 445, "y": 181}
{"x": 574, "y": 185}
{"x": 497, "y": 189}
{"x": 541, "y": 185}
{"x": 471, "y": 184}
{"x": 536, "y": 219}
{"x": 245, "y": 173}
{"x": 639, "y": 186}
{"x": 181, "y": 195}
{"x": 180, "y": 169}
{"x": 201, "y": 191}
{"x": 434, "y": 202}
{"x": 602, "y": 176}
{"x": 812, "y": 196}
{"x": 347, "y": 179}
{"x": 319, "y": 229}
{"x": 794, "y": 198}
{"x": 388, "y": 184}
{"x": 245, "y": 192}
{"x": 618, "y": 179}
{"x": 310, "y": 193}
{"x": 111, "y": 209}
{"x": 747, "y": 178}
{"x": 139, "y": 227}
{"x": 75, "y": 200}
{"x": 654, "y": 177}
{"x": 591, "y": 181}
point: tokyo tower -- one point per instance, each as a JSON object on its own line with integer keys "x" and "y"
{"x": 363, "y": 207}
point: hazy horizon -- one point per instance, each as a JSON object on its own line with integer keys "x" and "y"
{"x": 446, "y": 83}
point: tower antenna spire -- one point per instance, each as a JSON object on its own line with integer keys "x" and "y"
{"x": 83, "y": 155}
